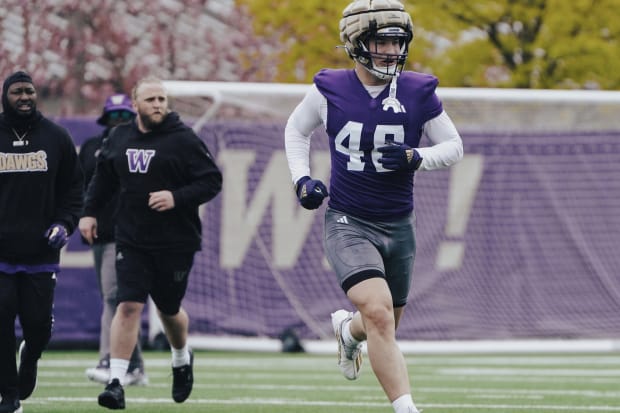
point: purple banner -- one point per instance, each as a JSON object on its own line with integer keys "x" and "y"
{"x": 516, "y": 241}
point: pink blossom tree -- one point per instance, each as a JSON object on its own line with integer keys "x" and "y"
{"x": 79, "y": 52}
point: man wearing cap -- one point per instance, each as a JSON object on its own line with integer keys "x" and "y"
{"x": 40, "y": 202}
{"x": 117, "y": 110}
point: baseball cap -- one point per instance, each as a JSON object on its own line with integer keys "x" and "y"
{"x": 113, "y": 103}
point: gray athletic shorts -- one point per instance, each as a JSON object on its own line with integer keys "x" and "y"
{"x": 358, "y": 249}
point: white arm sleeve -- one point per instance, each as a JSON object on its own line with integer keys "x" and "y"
{"x": 447, "y": 148}
{"x": 305, "y": 118}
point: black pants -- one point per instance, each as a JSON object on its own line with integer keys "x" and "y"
{"x": 29, "y": 297}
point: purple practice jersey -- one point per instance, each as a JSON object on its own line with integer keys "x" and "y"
{"x": 357, "y": 124}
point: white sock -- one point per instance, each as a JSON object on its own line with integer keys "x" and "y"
{"x": 404, "y": 404}
{"x": 348, "y": 338}
{"x": 118, "y": 369}
{"x": 180, "y": 357}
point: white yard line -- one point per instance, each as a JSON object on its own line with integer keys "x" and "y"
{"x": 312, "y": 361}
{"x": 474, "y": 371}
{"x": 296, "y": 402}
{"x": 476, "y": 392}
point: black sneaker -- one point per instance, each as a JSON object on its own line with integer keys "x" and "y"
{"x": 27, "y": 373}
{"x": 113, "y": 397}
{"x": 183, "y": 380}
{"x": 10, "y": 405}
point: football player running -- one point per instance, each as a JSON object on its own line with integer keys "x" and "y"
{"x": 375, "y": 116}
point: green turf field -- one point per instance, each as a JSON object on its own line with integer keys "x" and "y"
{"x": 285, "y": 383}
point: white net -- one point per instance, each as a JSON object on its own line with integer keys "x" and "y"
{"x": 516, "y": 241}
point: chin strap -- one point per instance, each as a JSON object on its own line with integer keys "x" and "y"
{"x": 391, "y": 102}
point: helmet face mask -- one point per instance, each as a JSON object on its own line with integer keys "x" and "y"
{"x": 371, "y": 51}
{"x": 370, "y": 29}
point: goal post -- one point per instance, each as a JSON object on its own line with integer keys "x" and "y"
{"x": 271, "y": 99}
{"x": 516, "y": 244}
{"x": 203, "y": 99}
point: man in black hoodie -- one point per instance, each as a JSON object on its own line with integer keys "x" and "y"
{"x": 40, "y": 202}
{"x": 164, "y": 172}
{"x": 116, "y": 110}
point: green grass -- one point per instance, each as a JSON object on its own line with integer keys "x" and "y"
{"x": 285, "y": 383}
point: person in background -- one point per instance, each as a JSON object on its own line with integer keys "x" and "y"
{"x": 375, "y": 116}
{"x": 163, "y": 173}
{"x": 40, "y": 202}
{"x": 116, "y": 110}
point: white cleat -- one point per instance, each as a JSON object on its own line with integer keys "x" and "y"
{"x": 136, "y": 377}
{"x": 132, "y": 378}
{"x": 349, "y": 357}
{"x": 98, "y": 374}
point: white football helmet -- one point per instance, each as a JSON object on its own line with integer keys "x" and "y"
{"x": 363, "y": 20}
